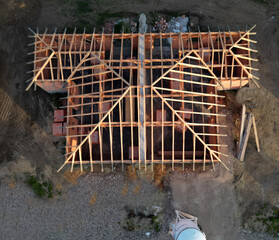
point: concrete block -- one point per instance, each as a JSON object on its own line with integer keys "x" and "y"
{"x": 57, "y": 129}
{"x": 64, "y": 130}
{"x": 59, "y": 116}
{"x": 159, "y": 115}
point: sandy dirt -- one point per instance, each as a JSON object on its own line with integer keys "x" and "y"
{"x": 256, "y": 179}
{"x": 27, "y": 146}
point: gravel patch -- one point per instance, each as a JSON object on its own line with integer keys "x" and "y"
{"x": 248, "y": 235}
{"x": 95, "y": 208}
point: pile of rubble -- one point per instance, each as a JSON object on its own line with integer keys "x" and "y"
{"x": 161, "y": 25}
{"x": 176, "y": 24}
{"x": 126, "y": 24}
{"x": 108, "y": 28}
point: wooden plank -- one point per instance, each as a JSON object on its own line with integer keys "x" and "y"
{"x": 245, "y": 138}
{"x": 241, "y": 38}
{"x": 152, "y": 108}
{"x": 167, "y": 72}
{"x": 204, "y": 157}
{"x": 163, "y": 137}
{"x": 187, "y": 154}
{"x": 156, "y": 161}
{"x": 132, "y": 129}
{"x": 195, "y": 102}
{"x": 40, "y": 71}
{"x": 193, "y": 74}
{"x": 80, "y": 160}
{"x": 110, "y": 141}
{"x": 121, "y": 134}
{"x": 139, "y": 126}
{"x": 256, "y": 133}
{"x": 212, "y": 160}
{"x": 183, "y": 147}
{"x": 101, "y": 148}
{"x": 73, "y": 162}
{"x": 194, "y": 153}
{"x": 188, "y": 81}
{"x": 243, "y": 116}
{"x": 194, "y": 93}
{"x": 173, "y": 141}
{"x": 245, "y": 48}
{"x": 90, "y": 153}
{"x": 245, "y": 70}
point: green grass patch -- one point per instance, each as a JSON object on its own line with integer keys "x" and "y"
{"x": 130, "y": 226}
{"x": 157, "y": 227}
{"x": 269, "y": 217}
{"x": 155, "y": 223}
{"x": 42, "y": 189}
{"x": 140, "y": 220}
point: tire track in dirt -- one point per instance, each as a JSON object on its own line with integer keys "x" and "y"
{"x": 5, "y": 114}
{"x": 17, "y": 131}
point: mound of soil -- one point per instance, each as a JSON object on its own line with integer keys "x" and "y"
{"x": 256, "y": 179}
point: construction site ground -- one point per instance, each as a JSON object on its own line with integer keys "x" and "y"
{"x": 127, "y": 205}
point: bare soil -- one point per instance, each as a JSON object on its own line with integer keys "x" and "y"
{"x": 27, "y": 145}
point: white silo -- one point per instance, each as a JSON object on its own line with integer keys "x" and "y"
{"x": 186, "y": 227}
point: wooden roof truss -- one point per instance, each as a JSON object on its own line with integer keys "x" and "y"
{"x": 175, "y": 109}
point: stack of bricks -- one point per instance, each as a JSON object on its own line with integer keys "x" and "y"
{"x": 59, "y": 123}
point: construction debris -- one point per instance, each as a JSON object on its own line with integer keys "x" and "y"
{"x": 247, "y": 121}
{"x": 125, "y": 25}
{"x": 175, "y": 25}
{"x": 160, "y": 25}
{"x": 108, "y": 28}
{"x": 178, "y": 24}
{"x": 120, "y": 25}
